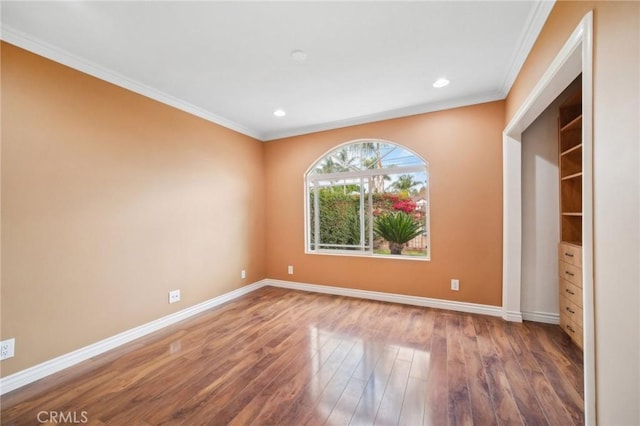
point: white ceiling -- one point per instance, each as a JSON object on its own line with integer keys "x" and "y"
{"x": 229, "y": 62}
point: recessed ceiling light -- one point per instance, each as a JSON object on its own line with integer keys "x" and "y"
{"x": 441, "y": 82}
{"x": 298, "y": 55}
{"x": 279, "y": 113}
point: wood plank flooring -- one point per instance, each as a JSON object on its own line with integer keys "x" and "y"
{"x": 283, "y": 357}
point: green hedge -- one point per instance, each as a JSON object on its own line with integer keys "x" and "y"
{"x": 339, "y": 217}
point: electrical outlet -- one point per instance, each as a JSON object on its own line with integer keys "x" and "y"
{"x": 243, "y": 274}
{"x": 174, "y": 296}
{"x": 7, "y": 348}
{"x": 290, "y": 270}
{"x": 455, "y": 285}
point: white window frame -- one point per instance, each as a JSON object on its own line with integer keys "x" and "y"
{"x": 311, "y": 180}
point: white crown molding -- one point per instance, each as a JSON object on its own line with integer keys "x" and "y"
{"x": 385, "y": 115}
{"x": 473, "y": 308}
{"x": 37, "y": 372}
{"x": 537, "y": 316}
{"x": 537, "y": 17}
{"x": 535, "y": 22}
{"x": 39, "y": 47}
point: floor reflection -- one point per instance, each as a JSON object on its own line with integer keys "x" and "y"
{"x": 356, "y": 381}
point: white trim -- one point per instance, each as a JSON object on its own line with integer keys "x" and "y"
{"x": 37, "y": 372}
{"x": 588, "y": 297}
{"x": 341, "y": 145}
{"x": 24, "y": 41}
{"x": 368, "y": 172}
{"x": 311, "y": 182}
{"x": 545, "y": 317}
{"x": 561, "y": 72}
{"x": 575, "y": 56}
{"x": 452, "y": 305}
{"x": 535, "y": 21}
{"x": 564, "y": 68}
{"x": 513, "y": 316}
{"x": 39, "y": 47}
{"x": 386, "y": 115}
{"x": 354, "y": 253}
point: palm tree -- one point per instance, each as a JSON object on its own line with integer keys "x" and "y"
{"x": 398, "y": 228}
{"x": 405, "y": 183}
{"x": 344, "y": 159}
{"x": 375, "y": 162}
{"x": 377, "y": 182}
{"x": 328, "y": 166}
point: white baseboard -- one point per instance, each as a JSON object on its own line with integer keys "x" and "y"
{"x": 545, "y": 317}
{"x": 37, "y": 372}
{"x": 513, "y": 316}
{"x": 473, "y": 308}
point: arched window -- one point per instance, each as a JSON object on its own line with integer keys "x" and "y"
{"x": 368, "y": 197}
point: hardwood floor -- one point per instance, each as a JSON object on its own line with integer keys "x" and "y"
{"x": 285, "y": 357}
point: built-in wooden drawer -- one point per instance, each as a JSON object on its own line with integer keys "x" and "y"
{"x": 572, "y": 329}
{"x": 571, "y": 311}
{"x": 571, "y": 273}
{"x": 570, "y": 253}
{"x": 572, "y": 292}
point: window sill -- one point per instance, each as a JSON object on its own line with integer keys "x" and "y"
{"x": 370, "y": 256}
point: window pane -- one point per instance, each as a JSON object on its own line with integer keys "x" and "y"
{"x": 369, "y": 197}
{"x": 360, "y": 156}
{"x": 339, "y": 216}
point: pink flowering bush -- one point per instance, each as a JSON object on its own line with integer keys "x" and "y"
{"x": 406, "y": 206}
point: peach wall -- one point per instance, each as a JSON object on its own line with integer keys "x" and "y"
{"x": 616, "y": 142}
{"x": 110, "y": 200}
{"x": 464, "y": 149}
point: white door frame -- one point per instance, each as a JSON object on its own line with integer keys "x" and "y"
{"x": 575, "y": 57}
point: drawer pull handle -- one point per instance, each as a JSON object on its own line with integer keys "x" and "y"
{"x": 571, "y": 274}
{"x": 570, "y": 311}
{"x": 570, "y": 329}
{"x": 569, "y": 291}
{"x": 569, "y": 254}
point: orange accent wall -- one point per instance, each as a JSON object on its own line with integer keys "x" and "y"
{"x": 464, "y": 149}
{"x": 109, "y": 201}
